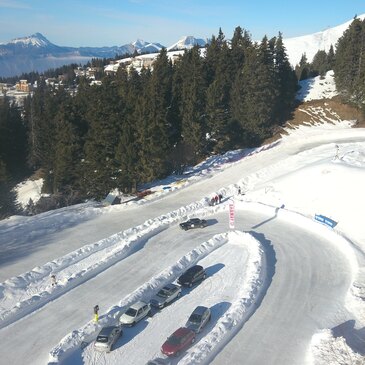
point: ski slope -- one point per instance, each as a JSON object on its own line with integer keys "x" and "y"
{"x": 283, "y": 288}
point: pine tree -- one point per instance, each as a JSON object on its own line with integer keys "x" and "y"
{"x": 68, "y": 150}
{"x": 319, "y": 65}
{"x": 302, "y": 70}
{"x": 105, "y": 121}
{"x": 349, "y": 55}
{"x": 155, "y": 129}
{"x": 287, "y": 83}
{"x": 192, "y": 105}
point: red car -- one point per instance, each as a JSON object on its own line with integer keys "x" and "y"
{"x": 178, "y": 341}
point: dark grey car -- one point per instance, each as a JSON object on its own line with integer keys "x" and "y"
{"x": 191, "y": 276}
{"x": 166, "y": 295}
{"x": 193, "y": 223}
{"x": 198, "y": 319}
{"x": 107, "y": 337}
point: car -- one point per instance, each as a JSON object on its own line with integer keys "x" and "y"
{"x": 166, "y": 295}
{"x": 107, "y": 337}
{"x": 193, "y": 223}
{"x": 135, "y": 313}
{"x": 198, "y": 318}
{"x": 191, "y": 276}
{"x": 178, "y": 341}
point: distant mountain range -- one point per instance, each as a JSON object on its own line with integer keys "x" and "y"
{"x": 37, "y": 53}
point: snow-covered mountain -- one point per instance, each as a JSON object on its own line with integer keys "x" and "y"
{"x": 37, "y": 53}
{"x": 187, "y": 42}
{"x": 36, "y": 40}
{"x": 312, "y": 43}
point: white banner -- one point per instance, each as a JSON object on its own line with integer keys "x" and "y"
{"x": 231, "y": 215}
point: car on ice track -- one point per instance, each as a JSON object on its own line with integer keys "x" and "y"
{"x": 198, "y": 319}
{"x": 193, "y": 223}
{"x": 192, "y": 275}
{"x": 166, "y": 295}
{"x": 107, "y": 337}
{"x": 135, "y": 313}
{"x": 178, "y": 341}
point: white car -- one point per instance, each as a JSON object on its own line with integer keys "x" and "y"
{"x": 135, "y": 313}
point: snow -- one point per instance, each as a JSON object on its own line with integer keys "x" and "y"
{"x": 317, "y": 88}
{"x": 29, "y": 189}
{"x": 312, "y": 43}
{"x": 283, "y": 287}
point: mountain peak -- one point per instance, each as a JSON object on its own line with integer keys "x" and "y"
{"x": 187, "y": 42}
{"x": 36, "y": 40}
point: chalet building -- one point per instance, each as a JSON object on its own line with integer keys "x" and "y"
{"x": 23, "y": 85}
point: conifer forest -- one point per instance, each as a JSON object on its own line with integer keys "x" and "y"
{"x": 140, "y": 126}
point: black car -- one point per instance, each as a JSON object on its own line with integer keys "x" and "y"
{"x": 191, "y": 276}
{"x": 193, "y": 223}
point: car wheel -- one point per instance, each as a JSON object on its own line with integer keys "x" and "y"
{"x": 193, "y": 340}
{"x": 179, "y": 294}
{"x": 190, "y": 285}
{"x": 204, "y": 277}
{"x": 133, "y": 323}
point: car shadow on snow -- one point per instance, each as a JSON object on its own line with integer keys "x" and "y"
{"x": 130, "y": 332}
{"x": 211, "y": 222}
{"x": 355, "y": 338}
{"x": 210, "y": 270}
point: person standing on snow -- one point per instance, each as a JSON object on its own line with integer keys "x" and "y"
{"x": 53, "y": 280}
{"x": 96, "y": 313}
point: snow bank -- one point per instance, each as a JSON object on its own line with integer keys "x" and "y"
{"x": 234, "y": 317}
{"x": 241, "y": 309}
{"x": 328, "y": 350}
{"x": 25, "y": 293}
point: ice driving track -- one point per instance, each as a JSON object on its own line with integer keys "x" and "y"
{"x": 310, "y": 279}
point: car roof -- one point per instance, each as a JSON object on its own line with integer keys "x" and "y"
{"x": 169, "y": 286}
{"x": 199, "y": 310}
{"x": 195, "y": 268}
{"x": 106, "y": 331}
{"x": 138, "y": 305}
{"x": 182, "y": 331}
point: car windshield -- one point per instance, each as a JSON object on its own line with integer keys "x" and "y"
{"x": 163, "y": 293}
{"x": 174, "y": 340}
{"x": 102, "y": 339}
{"x": 195, "y": 318}
{"x": 131, "y": 312}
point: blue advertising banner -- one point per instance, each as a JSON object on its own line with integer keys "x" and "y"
{"x": 325, "y": 220}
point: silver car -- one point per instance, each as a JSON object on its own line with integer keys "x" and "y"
{"x": 198, "y": 319}
{"x": 107, "y": 337}
{"x": 135, "y": 313}
{"x": 166, "y": 295}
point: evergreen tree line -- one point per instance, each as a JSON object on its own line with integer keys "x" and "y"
{"x": 13, "y": 144}
{"x": 350, "y": 63}
{"x": 141, "y": 126}
{"x": 322, "y": 62}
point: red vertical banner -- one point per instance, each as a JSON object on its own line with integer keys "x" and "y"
{"x": 231, "y": 215}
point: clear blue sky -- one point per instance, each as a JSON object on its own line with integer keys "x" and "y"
{"x": 117, "y": 22}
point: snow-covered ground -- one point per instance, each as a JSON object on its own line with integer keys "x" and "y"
{"x": 283, "y": 287}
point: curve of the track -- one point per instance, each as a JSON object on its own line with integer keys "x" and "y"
{"x": 310, "y": 279}
{"x": 16, "y": 258}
